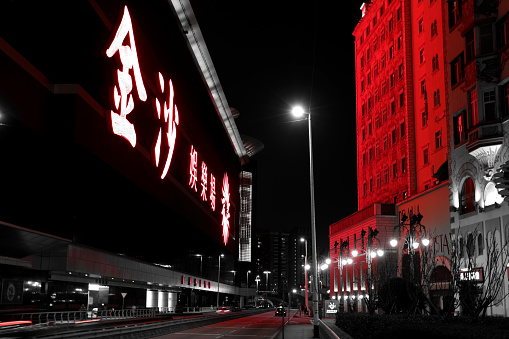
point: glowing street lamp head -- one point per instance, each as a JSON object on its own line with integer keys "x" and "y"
{"x": 425, "y": 241}
{"x": 307, "y": 267}
{"x": 327, "y": 261}
{"x": 415, "y": 245}
{"x": 298, "y": 111}
{"x": 394, "y": 242}
{"x": 349, "y": 261}
{"x": 355, "y": 253}
{"x": 302, "y": 239}
{"x": 380, "y": 253}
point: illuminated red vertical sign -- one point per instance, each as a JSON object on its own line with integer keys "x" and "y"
{"x": 168, "y": 114}
{"x": 121, "y": 93}
{"x": 225, "y": 200}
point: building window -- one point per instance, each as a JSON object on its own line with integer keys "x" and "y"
{"x": 473, "y": 109}
{"x": 384, "y": 115}
{"x": 467, "y": 196}
{"x": 378, "y": 180}
{"x": 363, "y": 133}
{"x": 457, "y": 70}
{"x": 434, "y": 29}
{"x": 400, "y": 71}
{"x": 392, "y": 80}
{"x": 505, "y": 94}
{"x": 425, "y": 155}
{"x": 455, "y": 12}
{"x": 398, "y": 14}
{"x": 401, "y": 99}
{"x": 421, "y": 26}
{"x": 370, "y": 154}
{"x": 391, "y": 52}
{"x": 438, "y": 139}
{"x": 400, "y": 42}
{"x": 364, "y": 159}
{"x": 403, "y": 165}
{"x": 383, "y": 61}
{"x": 385, "y": 143}
{"x": 377, "y": 149}
{"x": 489, "y": 106}
{"x": 502, "y": 32}
{"x": 423, "y": 86}
{"x": 436, "y": 98}
{"x": 371, "y": 184}
{"x": 402, "y": 129}
{"x": 459, "y": 125}
{"x": 394, "y": 170}
{"x": 421, "y": 56}
{"x": 470, "y": 46}
{"x": 364, "y": 189}
{"x": 434, "y": 65}
{"x": 363, "y": 109}
{"x": 393, "y": 136}
{"x": 391, "y": 24}
{"x": 382, "y": 35}
{"x": 485, "y": 39}
{"x": 393, "y": 107}
{"x": 370, "y": 127}
{"x": 384, "y": 87}
{"x": 386, "y": 175}
{"x": 424, "y": 118}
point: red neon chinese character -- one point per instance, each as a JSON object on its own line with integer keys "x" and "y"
{"x": 225, "y": 200}
{"x": 170, "y": 118}
{"x": 212, "y": 192}
{"x": 121, "y": 97}
{"x": 193, "y": 168}
{"x": 203, "y": 181}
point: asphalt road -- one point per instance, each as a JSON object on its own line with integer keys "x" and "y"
{"x": 264, "y": 325}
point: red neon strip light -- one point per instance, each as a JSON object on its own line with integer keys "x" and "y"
{"x": 13, "y": 323}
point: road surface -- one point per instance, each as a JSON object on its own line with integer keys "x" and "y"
{"x": 264, "y": 325}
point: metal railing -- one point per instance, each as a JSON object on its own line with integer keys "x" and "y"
{"x": 74, "y": 316}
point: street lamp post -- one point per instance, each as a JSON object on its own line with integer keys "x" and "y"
{"x": 415, "y": 233}
{"x": 218, "y": 275}
{"x": 266, "y": 280}
{"x": 299, "y": 112}
{"x": 306, "y": 267}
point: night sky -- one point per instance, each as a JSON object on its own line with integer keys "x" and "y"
{"x": 269, "y": 58}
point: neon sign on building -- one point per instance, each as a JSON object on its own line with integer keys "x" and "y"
{"x": 201, "y": 179}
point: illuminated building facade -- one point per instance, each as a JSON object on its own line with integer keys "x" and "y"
{"x": 402, "y": 131}
{"x": 432, "y": 111}
{"x": 119, "y": 151}
{"x": 477, "y": 85}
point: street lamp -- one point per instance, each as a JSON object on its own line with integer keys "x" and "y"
{"x": 267, "y": 280}
{"x": 306, "y": 268}
{"x": 218, "y": 274}
{"x": 415, "y": 234}
{"x": 299, "y": 112}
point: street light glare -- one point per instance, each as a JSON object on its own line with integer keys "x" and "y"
{"x": 425, "y": 241}
{"x": 327, "y": 261}
{"x": 298, "y": 111}
{"x": 394, "y": 242}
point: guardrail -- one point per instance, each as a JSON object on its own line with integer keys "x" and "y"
{"x": 68, "y": 317}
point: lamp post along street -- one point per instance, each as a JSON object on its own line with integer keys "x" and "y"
{"x": 218, "y": 275}
{"x": 306, "y": 267}
{"x": 298, "y": 111}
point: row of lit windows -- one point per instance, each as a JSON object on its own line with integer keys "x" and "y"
{"x": 387, "y": 141}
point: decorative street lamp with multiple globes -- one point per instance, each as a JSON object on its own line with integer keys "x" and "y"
{"x": 415, "y": 233}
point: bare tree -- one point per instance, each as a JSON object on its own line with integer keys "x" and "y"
{"x": 478, "y": 281}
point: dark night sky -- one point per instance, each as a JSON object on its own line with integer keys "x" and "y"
{"x": 270, "y": 57}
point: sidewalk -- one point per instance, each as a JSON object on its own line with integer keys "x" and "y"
{"x": 299, "y": 326}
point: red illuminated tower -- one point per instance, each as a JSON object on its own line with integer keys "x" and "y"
{"x": 401, "y": 125}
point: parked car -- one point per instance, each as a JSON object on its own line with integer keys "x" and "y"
{"x": 280, "y": 311}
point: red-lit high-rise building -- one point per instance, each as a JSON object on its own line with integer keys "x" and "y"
{"x": 402, "y": 152}
{"x": 432, "y": 110}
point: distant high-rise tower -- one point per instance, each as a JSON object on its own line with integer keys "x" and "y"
{"x": 246, "y": 209}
